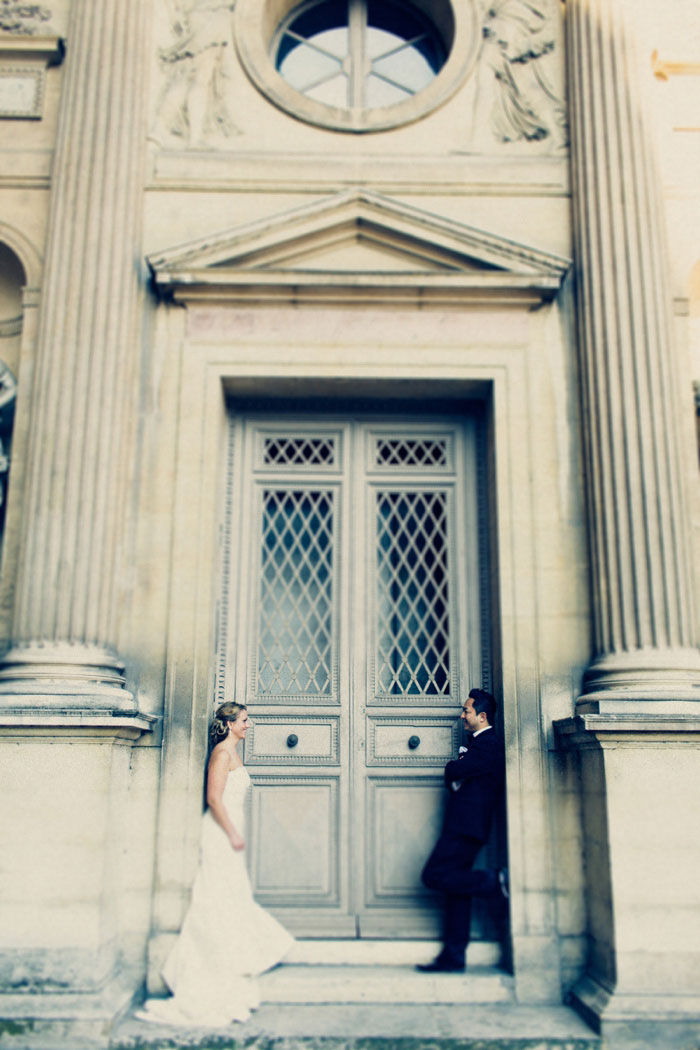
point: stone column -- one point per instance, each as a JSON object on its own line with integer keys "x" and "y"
{"x": 637, "y": 727}
{"x": 64, "y": 630}
{"x": 643, "y": 587}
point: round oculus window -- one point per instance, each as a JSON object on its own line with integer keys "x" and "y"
{"x": 359, "y": 54}
{"x": 356, "y": 65}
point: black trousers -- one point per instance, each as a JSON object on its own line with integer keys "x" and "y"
{"x": 449, "y": 871}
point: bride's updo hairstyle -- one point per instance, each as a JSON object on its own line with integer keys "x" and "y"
{"x": 225, "y": 713}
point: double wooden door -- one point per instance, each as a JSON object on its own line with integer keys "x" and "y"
{"x": 350, "y": 623}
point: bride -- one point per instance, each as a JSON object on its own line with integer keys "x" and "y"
{"x": 226, "y": 938}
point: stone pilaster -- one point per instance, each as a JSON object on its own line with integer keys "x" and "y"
{"x": 64, "y": 631}
{"x": 643, "y": 587}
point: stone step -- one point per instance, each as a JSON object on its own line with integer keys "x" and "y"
{"x": 292, "y": 983}
{"x": 376, "y": 1027}
{"x": 384, "y": 953}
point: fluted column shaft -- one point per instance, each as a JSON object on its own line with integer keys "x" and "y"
{"x": 64, "y": 620}
{"x": 643, "y": 600}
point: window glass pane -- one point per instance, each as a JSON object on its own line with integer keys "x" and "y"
{"x": 380, "y": 93}
{"x": 332, "y": 92}
{"x": 404, "y": 23}
{"x": 411, "y": 452}
{"x": 307, "y": 64}
{"x": 405, "y": 66}
{"x": 314, "y": 21}
{"x": 295, "y": 617}
{"x": 290, "y": 450}
{"x": 402, "y": 50}
{"x": 413, "y": 629}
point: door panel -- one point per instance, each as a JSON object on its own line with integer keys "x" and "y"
{"x": 402, "y": 824}
{"x": 273, "y": 738}
{"x": 295, "y": 840}
{"x": 352, "y": 558}
{"x": 414, "y": 740}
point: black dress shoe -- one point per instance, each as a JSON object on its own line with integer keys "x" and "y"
{"x": 441, "y": 966}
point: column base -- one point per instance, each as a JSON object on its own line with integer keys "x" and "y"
{"x": 64, "y": 676}
{"x": 29, "y": 1020}
{"x": 629, "y": 1020}
{"x": 652, "y": 681}
{"x": 640, "y": 797}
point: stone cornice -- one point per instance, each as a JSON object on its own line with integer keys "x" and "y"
{"x": 47, "y": 49}
{"x": 592, "y": 730}
{"x": 59, "y": 723}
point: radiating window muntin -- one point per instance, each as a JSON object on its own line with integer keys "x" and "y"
{"x": 358, "y": 54}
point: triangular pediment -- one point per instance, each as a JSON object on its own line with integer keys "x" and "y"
{"x": 352, "y": 241}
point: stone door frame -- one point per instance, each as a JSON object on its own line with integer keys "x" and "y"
{"x": 216, "y": 367}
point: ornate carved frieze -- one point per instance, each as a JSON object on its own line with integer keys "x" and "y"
{"x": 23, "y": 19}
{"x": 193, "y": 106}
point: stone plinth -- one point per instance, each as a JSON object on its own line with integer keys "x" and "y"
{"x": 66, "y": 781}
{"x": 641, "y": 804}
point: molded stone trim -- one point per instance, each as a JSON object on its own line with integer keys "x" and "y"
{"x": 591, "y": 730}
{"x": 66, "y": 723}
{"x": 49, "y": 49}
{"x": 255, "y": 23}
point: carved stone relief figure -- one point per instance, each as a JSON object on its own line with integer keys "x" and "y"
{"x": 192, "y": 107}
{"x": 514, "y": 99}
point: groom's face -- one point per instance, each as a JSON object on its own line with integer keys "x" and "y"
{"x": 470, "y": 718}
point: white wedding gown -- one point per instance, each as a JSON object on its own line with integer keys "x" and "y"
{"x": 226, "y": 938}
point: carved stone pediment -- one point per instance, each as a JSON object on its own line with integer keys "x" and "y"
{"x": 358, "y": 246}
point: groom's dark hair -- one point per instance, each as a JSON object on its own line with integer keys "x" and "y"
{"x": 483, "y": 702}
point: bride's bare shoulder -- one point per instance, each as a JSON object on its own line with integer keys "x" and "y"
{"x": 220, "y": 758}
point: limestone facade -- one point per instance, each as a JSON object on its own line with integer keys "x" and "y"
{"x": 201, "y": 264}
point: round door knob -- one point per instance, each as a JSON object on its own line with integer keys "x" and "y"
{"x": 292, "y": 740}
{"x": 413, "y": 742}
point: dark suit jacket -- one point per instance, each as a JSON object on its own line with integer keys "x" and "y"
{"x": 480, "y": 774}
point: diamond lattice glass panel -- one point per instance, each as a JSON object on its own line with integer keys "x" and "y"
{"x": 295, "y": 622}
{"x": 299, "y": 451}
{"x": 412, "y": 452}
{"x": 412, "y": 656}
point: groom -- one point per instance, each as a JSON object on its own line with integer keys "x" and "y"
{"x": 474, "y": 782}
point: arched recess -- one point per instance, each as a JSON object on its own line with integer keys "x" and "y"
{"x": 20, "y": 276}
{"x": 13, "y": 280}
{"x": 694, "y": 338}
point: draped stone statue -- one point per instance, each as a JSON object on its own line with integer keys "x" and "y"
{"x": 193, "y": 104}
{"x": 515, "y": 100}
